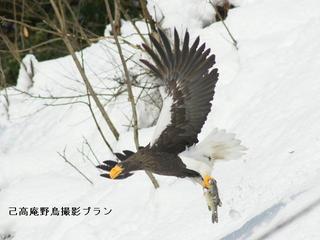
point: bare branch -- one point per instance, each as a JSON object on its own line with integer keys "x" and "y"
{"x": 63, "y": 155}
{"x": 129, "y": 88}
{"x": 147, "y": 16}
{"x": 128, "y": 18}
{"x": 37, "y": 45}
{"x": 117, "y": 17}
{"x": 71, "y": 50}
{"x": 98, "y": 126}
{"x": 235, "y": 43}
{"x": 90, "y": 148}
{"x": 53, "y": 97}
{"x": 77, "y": 24}
{"x": 29, "y": 26}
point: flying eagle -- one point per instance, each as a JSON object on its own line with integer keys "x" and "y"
{"x": 189, "y": 82}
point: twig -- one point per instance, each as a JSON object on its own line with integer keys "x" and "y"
{"x": 60, "y": 97}
{"x": 63, "y": 104}
{"x": 235, "y": 43}
{"x": 90, "y": 148}
{"x": 29, "y": 26}
{"x": 73, "y": 166}
{"x": 76, "y": 22}
{"x": 128, "y": 18}
{"x": 15, "y": 25}
{"x": 98, "y": 126}
{"x": 85, "y": 157}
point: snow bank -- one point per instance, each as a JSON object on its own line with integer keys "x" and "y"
{"x": 182, "y": 14}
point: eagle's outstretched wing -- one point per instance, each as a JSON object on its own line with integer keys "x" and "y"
{"x": 189, "y": 84}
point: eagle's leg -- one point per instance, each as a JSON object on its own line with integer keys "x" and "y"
{"x": 212, "y": 196}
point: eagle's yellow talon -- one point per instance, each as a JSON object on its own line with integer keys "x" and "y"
{"x": 115, "y": 171}
{"x": 206, "y": 181}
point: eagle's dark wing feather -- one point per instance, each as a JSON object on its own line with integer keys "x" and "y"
{"x": 188, "y": 81}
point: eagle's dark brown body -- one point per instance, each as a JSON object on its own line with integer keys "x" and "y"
{"x": 162, "y": 163}
{"x": 189, "y": 82}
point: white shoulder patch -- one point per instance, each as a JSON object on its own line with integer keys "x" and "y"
{"x": 164, "y": 118}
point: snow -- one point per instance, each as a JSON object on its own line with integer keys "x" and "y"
{"x": 26, "y": 73}
{"x": 194, "y": 14}
{"x": 268, "y": 94}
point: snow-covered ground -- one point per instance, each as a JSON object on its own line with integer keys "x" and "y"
{"x": 268, "y": 94}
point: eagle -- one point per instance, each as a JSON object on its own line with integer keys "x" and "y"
{"x": 189, "y": 80}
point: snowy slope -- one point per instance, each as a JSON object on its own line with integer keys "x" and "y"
{"x": 268, "y": 94}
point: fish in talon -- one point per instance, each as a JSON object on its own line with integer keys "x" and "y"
{"x": 213, "y": 200}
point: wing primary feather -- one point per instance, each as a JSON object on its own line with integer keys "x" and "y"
{"x": 203, "y": 68}
{"x": 152, "y": 67}
{"x": 177, "y": 48}
{"x": 154, "y": 56}
{"x": 176, "y": 40}
{"x": 167, "y": 47}
{"x": 198, "y": 53}
{"x": 160, "y": 50}
{"x": 200, "y": 60}
{"x": 192, "y": 56}
{"x": 185, "y": 48}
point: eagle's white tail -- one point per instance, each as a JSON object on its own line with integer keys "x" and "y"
{"x": 220, "y": 145}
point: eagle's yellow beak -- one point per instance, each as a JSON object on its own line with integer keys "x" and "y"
{"x": 206, "y": 181}
{"x": 115, "y": 171}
